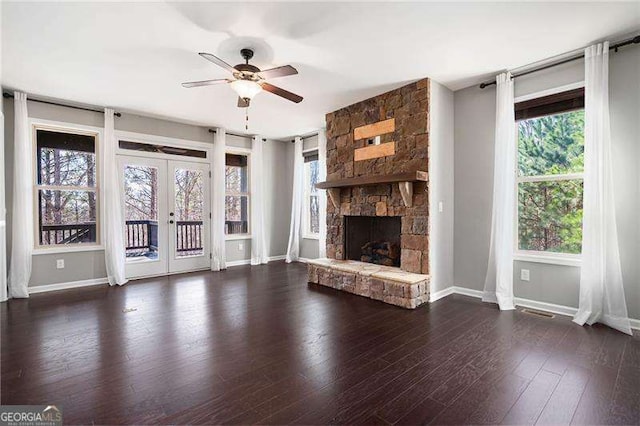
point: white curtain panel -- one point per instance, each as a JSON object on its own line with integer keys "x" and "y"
{"x": 498, "y": 285}
{"x": 258, "y": 230}
{"x": 3, "y": 223}
{"x": 218, "y": 256}
{"x": 293, "y": 248}
{"x": 114, "y": 252}
{"x": 322, "y": 194}
{"x": 601, "y": 290}
{"x": 22, "y": 212}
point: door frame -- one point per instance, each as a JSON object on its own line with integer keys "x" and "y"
{"x": 168, "y": 141}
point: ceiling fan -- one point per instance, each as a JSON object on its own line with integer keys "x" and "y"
{"x": 248, "y": 80}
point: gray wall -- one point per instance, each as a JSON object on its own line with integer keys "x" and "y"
{"x": 90, "y": 264}
{"x": 474, "y": 132}
{"x": 441, "y": 186}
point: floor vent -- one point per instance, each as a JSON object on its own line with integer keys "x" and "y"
{"x": 538, "y": 313}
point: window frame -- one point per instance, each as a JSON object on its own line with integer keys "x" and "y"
{"x": 247, "y": 153}
{"x": 71, "y": 128}
{"x": 555, "y": 258}
{"x": 306, "y": 216}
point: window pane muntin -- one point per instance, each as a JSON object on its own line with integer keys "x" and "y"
{"x": 550, "y": 216}
{"x": 551, "y": 145}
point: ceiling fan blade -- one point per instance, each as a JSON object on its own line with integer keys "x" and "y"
{"x": 243, "y": 103}
{"x": 212, "y": 58}
{"x": 205, "y": 82}
{"x": 281, "y": 92}
{"x": 278, "y": 72}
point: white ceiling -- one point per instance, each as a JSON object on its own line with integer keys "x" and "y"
{"x": 133, "y": 56}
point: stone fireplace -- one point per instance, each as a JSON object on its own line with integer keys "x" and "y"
{"x": 377, "y": 182}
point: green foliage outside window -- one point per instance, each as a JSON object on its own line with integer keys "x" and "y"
{"x": 550, "y": 211}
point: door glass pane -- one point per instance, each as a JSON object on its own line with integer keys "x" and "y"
{"x": 189, "y": 212}
{"x": 141, "y": 212}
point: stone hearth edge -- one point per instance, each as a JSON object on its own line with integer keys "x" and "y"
{"x": 385, "y": 283}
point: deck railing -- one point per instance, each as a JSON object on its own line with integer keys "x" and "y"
{"x": 139, "y": 234}
{"x": 236, "y": 227}
{"x": 68, "y": 234}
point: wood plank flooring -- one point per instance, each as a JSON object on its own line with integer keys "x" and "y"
{"x": 260, "y": 345}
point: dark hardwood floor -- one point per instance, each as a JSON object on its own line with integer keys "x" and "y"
{"x": 260, "y": 345}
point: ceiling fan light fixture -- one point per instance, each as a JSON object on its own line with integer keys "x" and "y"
{"x": 246, "y": 89}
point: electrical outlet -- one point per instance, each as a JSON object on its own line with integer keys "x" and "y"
{"x": 60, "y": 263}
{"x": 524, "y": 274}
{"x": 440, "y": 206}
{"x": 240, "y": 246}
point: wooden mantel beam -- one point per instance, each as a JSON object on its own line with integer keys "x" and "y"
{"x": 375, "y": 180}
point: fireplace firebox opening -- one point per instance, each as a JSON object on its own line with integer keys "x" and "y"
{"x": 373, "y": 239}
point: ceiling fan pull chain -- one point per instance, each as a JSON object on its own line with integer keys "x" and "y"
{"x": 246, "y": 118}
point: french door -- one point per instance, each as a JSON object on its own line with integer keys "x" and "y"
{"x": 167, "y": 215}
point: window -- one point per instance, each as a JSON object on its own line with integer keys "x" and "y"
{"x": 237, "y": 195}
{"x": 311, "y": 216}
{"x": 550, "y": 173}
{"x": 66, "y": 187}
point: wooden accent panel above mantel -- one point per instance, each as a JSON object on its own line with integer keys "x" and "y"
{"x": 375, "y": 129}
{"x": 374, "y": 151}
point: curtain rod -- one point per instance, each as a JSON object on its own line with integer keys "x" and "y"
{"x": 305, "y": 137}
{"x": 10, "y": 95}
{"x": 614, "y": 47}
{"x": 236, "y": 134}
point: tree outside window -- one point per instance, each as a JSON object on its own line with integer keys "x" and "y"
{"x": 550, "y": 182}
{"x": 311, "y": 219}
{"x": 237, "y": 194}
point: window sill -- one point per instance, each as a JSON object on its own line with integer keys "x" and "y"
{"x": 563, "y": 260}
{"x": 311, "y": 237}
{"x": 68, "y": 249}
{"x": 237, "y": 237}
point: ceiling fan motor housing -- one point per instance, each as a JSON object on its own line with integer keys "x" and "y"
{"x": 246, "y": 54}
{"x": 247, "y": 71}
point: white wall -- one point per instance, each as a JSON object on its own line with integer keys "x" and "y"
{"x": 474, "y": 133}
{"x": 441, "y": 186}
{"x": 89, "y": 265}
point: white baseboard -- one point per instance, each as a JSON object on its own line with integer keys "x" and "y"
{"x": 67, "y": 285}
{"x": 248, "y": 261}
{"x": 238, "y": 262}
{"x": 519, "y": 301}
{"x": 303, "y": 260}
{"x": 441, "y": 294}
